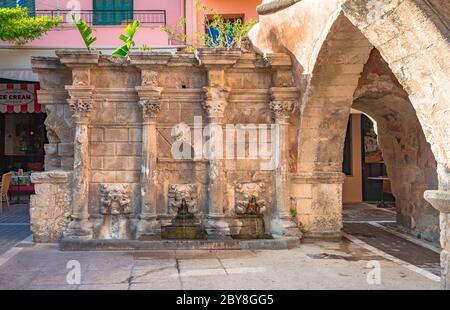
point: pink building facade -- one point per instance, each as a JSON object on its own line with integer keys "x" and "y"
{"x": 108, "y": 25}
{"x": 107, "y": 19}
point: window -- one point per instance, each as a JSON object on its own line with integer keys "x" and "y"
{"x": 113, "y": 12}
{"x": 347, "y": 162}
{"x": 12, "y": 4}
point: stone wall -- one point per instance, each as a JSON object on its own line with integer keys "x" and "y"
{"x": 127, "y": 115}
{"x": 51, "y": 205}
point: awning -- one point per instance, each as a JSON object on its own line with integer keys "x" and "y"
{"x": 19, "y": 75}
{"x": 19, "y": 98}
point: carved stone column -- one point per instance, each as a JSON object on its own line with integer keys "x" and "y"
{"x": 216, "y": 95}
{"x": 283, "y": 97}
{"x": 440, "y": 200}
{"x": 282, "y": 104}
{"x": 81, "y": 103}
{"x": 150, "y": 102}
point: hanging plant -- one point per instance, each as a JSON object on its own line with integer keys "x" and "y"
{"x": 128, "y": 38}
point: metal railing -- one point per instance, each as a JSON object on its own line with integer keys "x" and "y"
{"x": 109, "y": 17}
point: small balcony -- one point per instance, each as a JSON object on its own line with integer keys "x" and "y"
{"x": 110, "y": 17}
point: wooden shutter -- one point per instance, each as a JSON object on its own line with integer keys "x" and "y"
{"x": 112, "y": 12}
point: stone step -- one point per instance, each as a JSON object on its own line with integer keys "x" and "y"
{"x": 277, "y": 243}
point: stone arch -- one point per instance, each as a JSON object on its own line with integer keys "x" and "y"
{"x": 412, "y": 57}
{"x": 412, "y": 37}
{"x": 329, "y": 97}
{"x": 409, "y": 160}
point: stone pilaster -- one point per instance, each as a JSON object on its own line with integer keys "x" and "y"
{"x": 81, "y": 104}
{"x": 282, "y": 104}
{"x": 283, "y": 97}
{"x": 440, "y": 200}
{"x": 216, "y": 61}
{"x": 150, "y": 103}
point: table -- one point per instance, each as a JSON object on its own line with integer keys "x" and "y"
{"x": 381, "y": 204}
{"x": 18, "y": 201}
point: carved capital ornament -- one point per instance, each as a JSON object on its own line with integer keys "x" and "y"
{"x": 150, "y": 108}
{"x": 80, "y": 107}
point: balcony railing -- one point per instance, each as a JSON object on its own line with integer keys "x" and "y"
{"x": 109, "y": 17}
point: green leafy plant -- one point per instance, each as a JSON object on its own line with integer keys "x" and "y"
{"x": 301, "y": 227}
{"x": 144, "y": 48}
{"x": 228, "y": 33}
{"x": 85, "y": 32}
{"x": 128, "y": 39}
{"x": 16, "y": 26}
{"x": 68, "y": 216}
{"x": 293, "y": 213}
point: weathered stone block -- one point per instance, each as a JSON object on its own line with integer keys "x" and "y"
{"x": 116, "y": 134}
{"x": 128, "y": 149}
{"x": 128, "y": 115}
{"x": 65, "y": 149}
{"x": 102, "y": 149}
{"x": 103, "y": 176}
{"x": 96, "y": 162}
{"x": 135, "y": 135}
{"x": 121, "y": 163}
{"x": 96, "y": 134}
{"x": 128, "y": 176}
{"x": 50, "y": 205}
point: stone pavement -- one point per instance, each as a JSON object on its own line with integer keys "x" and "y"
{"x": 14, "y": 226}
{"x": 318, "y": 265}
{"x": 363, "y": 221}
{"x": 313, "y": 265}
{"x": 364, "y": 212}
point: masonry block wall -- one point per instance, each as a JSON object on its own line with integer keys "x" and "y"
{"x": 126, "y": 115}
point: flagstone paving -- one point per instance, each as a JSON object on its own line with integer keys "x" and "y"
{"x": 318, "y": 265}
{"x": 313, "y": 265}
{"x": 14, "y": 226}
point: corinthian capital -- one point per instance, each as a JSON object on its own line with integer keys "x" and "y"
{"x": 80, "y": 107}
{"x": 282, "y": 109}
{"x": 150, "y": 108}
{"x": 282, "y": 101}
{"x": 215, "y": 100}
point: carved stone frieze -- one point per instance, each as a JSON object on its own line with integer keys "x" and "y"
{"x": 115, "y": 199}
{"x": 215, "y": 100}
{"x": 281, "y": 108}
{"x": 150, "y": 108}
{"x": 244, "y": 193}
{"x": 80, "y": 107}
{"x": 178, "y": 192}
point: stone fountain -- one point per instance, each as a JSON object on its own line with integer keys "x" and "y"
{"x": 250, "y": 206}
{"x": 184, "y": 226}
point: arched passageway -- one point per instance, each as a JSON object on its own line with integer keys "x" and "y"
{"x": 331, "y": 48}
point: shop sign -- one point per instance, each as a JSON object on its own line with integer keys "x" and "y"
{"x": 16, "y": 96}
